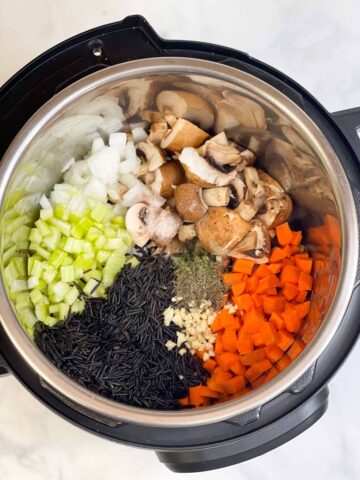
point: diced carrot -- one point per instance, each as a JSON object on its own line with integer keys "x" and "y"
{"x": 273, "y": 353}
{"x": 208, "y": 392}
{"x": 271, "y": 291}
{"x": 301, "y": 296}
{"x": 195, "y": 395}
{"x": 219, "y": 347}
{"x": 209, "y": 365}
{"x": 235, "y": 384}
{"x": 289, "y": 261}
{"x": 226, "y": 359}
{"x": 229, "y": 339}
{"x": 268, "y": 333}
{"x": 271, "y": 374}
{"x": 290, "y": 274}
{"x": 333, "y": 228}
{"x": 216, "y": 324}
{"x": 287, "y": 251}
{"x": 277, "y": 254}
{"x": 273, "y": 304}
{"x": 238, "y": 288}
{"x": 275, "y": 267}
{"x": 283, "y": 363}
{"x": 277, "y": 320}
{"x": 244, "y": 302}
{"x": 227, "y": 319}
{"x": 285, "y": 340}
{"x": 221, "y": 376}
{"x": 304, "y": 264}
{"x": 262, "y": 366}
{"x": 284, "y": 234}
{"x": 302, "y": 309}
{"x": 184, "y": 402}
{"x": 291, "y": 319}
{"x": 302, "y": 255}
{"x": 245, "y": 346}
{"x": 230, "y": 278}
{"x": 257, "y": 339}
{"x": 215, "y": 386}
{"x": 243, "y": 266}
{"x": 294, "y": 249}
{"x": 305, "y": 282}
{"x": 237, "y": 368}
{"x": 290, "y": 291}
{"x": 252, "y": 321}
{"x": 296, "y": 348}
{"x": 262, "y": 271}
{"x": 270, "y": 281}
{"x": 258, "y": 382}
{"x": 252, "y": 374}
{"x": 258, "y": 301}
{"x": 251, "y": 284}
{"x": 296, "y": 238}
{"x": 252, "y": 357}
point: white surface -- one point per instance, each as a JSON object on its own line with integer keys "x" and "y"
{"x": 317, "y": 43}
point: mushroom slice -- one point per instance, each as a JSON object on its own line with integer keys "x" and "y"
{"x": 221, "y": 154}
{"x": 174, "y": 247}
{"x": 158, "y": 131}
{"x": 199, "y": 171}
{"x": 136, "y": 95}
{"x": 167, "y": 177}
{"x": 220, "y": 230}
{"x": 140, "y": 193}
{"x": 272, "y": 188}
{"x": 256, "y": 191}
{"x": 140, "y": 220}
{"x": 155, "y": 157}
{"x": 253, "y": 139}
{"x": 116, "y": 192}
{"x": 152, "y": 117}
{"x": 248, "y": 112}
{"x": 187, "y": 232}
{"x": 166, "y": 227}
{"x": 183, "y": 134}
{"x": 277, "y": 211}
{"x": 186, "y": 105}
{"x": 237, "y": 192}
{"x": 189, "y": 202}
{"x": 246, "y": 210}
{"x": 248, "y": 158}
{"x": 255, "y": 245}
{"x": 217, "y": 197}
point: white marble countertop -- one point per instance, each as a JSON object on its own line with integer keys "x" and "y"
{"x": 316, "y": 43}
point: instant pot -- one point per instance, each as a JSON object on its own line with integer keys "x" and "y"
{"x": 318, "y": 153}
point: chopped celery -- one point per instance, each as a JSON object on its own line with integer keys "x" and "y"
{"x": 20, "y": 264}
{"x": 95, "y": 274}
{"x": 43, "y": 227}
{"x": 18, "y": 286}
{"x": 63, "y": 310}
{"x": 92, "y": 234}
{"x": 133, "y": 261}
{"x": 32, "y": 282}
{"x": 60, "y": 289}
{"x": 78, "y": 306}
{"x": 54, "y": 308}
{"x": 77, "y": 231}
{"x": 36, "y": 268}
{"x": 71, "y": 296}
{"x": 49, "y": 274}
{"x": 35, "y": 235}
{"x": 67, "y": 273}
{"x": 100, "y": 241}
{"x": 46, "y": 213}
{"x": 85, "y": 263}
{"x": 50, "y": 321}
{"x": 99, "y": 212}
{"x": 73, "y": 245}
{"x": 119, "y": 221}
{"x": 37, "y": 297}
{"x": 61, "y": 212}
{"x": 23, "y": 300}
{"x": 41, "y": 311}
{"x": 57, "y": 258}
{"x": 91, "y": 286}
{"x": 43, "y": 252}
{"x": 11, "y": 272}
{"x": 64, "y": 227}
{"x": 116, "y": 244}
{"x": 21, "y": 234}
{"x": 102, "y": 256}
{"x": 10, "y": 252}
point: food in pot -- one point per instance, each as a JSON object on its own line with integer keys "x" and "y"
{"x": 161, "y": 270}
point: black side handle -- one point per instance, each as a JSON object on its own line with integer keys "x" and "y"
{"x": 349, "y": 122}
{"x": 251, "y": 444}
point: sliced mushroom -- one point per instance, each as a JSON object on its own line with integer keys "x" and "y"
{"x": 189, "y": 202}
{"x": 183, "y": 134}
{"x": 248, "y": 158}
{"x": 235, "y": 109}
{"x": 217, "y": 197}
{"x": 277, "y": 211}
{"x": 116, "y": 192}
{"x": 186, "y": 105}
{"x": 187, "y": 232}
{"x": 246, "y": 210}
{"x": 154, "y": 156}
{"x": 255, "y": 245}
{"x": 221, "y": 155}
{"x": 166, "y": 227}
{"x": 199, "y": 171}
{"x": 220, "y": 230}
{"x": 255, "y": 192}
{"x": 253, "y": 139}
{"x": 136, "y": 95}
{"x": 174, "y": 247}
{"x": 139, "y": 193}
{"x": 152, "y": 117}
{"x": 237, "y": 192}
{"x": 158, "y": 131}
{"x": 271, "y": 187}
{"x": 167, "y": 177}
{"x": 140, "y": 221}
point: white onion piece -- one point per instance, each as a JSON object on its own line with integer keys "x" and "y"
{"x": 44, "y": 202}
{"x": 129, "y": 180}
{"x": 97, "y": 145}
{"x": 78, "y": 174}
{"x": 78, "y": 204}
{"x": 139, "y": 134}
{"x": 130, "y": 165}
{"x": 96, "y": 189}
{"x": 119, "y": 210}
{"x": 104, "y": 165}
{"x": 68, "y": 164}
{"x": 140, "y": 193}
{"x": 118, "y": 140}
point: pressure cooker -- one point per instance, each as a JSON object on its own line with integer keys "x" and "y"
{"x": 318, "y": 152}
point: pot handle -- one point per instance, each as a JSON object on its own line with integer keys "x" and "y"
{"x": 251, "y": 444}
{"x": 349, "y": 123}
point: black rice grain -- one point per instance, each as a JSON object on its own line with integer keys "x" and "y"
{"x": 116, "y": 347}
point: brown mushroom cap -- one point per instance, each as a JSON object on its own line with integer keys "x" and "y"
{"x": 155, "y": 157}
{"x": 189, "y": 203}
{"x": 183, "y": 134}
{"x": 255, "y": 245}
{"x": 166, "y": 227}
{"x": 158, "y": 130}
{"x": 278, "y": 211}
{"x": 186, "y": 105}
{"x": 272, "y": 188}
{"x": 167, "y": 177}
{"x": 220, "y": 230}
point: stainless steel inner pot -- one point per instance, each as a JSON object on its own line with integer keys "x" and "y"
{"x": 301, "y": 156}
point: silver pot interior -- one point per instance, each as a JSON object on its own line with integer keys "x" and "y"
{"x": 298, "y": 156}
